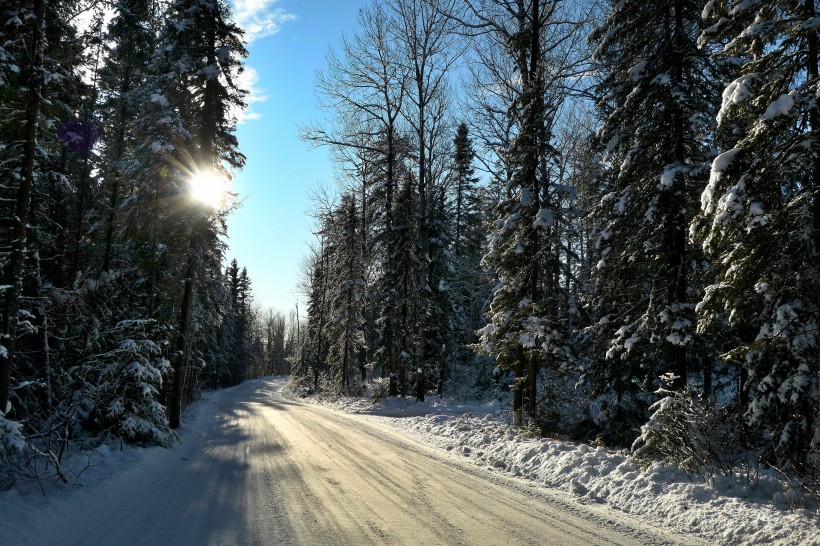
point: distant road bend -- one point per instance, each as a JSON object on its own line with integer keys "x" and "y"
{"x": 270, "y": 471}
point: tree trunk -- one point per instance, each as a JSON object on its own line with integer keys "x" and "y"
{"x": 678, "y": 225}
{"x": 119, "y": 147}
{"x": 78, "y": 230}
{"x": 391, "y": 269}
{"x": 811, "y": 60}
{"x": 533, "y": 83}
{"x": 12, "y": 275}
{"x": 532, "y": 384}
{"x": 518, "y": 387}
{"x": 182, "y": 350}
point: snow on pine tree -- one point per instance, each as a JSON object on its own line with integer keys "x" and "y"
{"x": 365, "y": 88}
{"x": 124, "y": 69}
{"x": 440, "y": 326}
{"x": 760, "y": 218}
{"x": 22, "y": 73}
{"x": 527, "y": 318}
{"x": 347, "y": 285}
{"x": 656, "y": 92}
{"x": 405, "y": 280}
{"x": 39, "y": 92}
{"x": 312, "y": 364}
{"x": 120, "y": 385}
{"x": 470, "y": 283}
{"x": 201, "y": 51}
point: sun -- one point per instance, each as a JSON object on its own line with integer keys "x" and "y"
{"x": 209, "y": 188}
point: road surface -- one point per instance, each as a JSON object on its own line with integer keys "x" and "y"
{"x": 267, "y": 470}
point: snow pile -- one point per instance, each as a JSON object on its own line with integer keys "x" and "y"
{"x": 401, "y": 407}
{"x": 96, "y": 478}
{"x": 725, "y": 511}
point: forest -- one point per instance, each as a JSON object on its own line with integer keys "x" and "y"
{"x": 603, "y": 212}
{"x": 117, "y": 308}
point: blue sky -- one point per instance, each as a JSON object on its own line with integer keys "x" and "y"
{"x": 270, "y": 232}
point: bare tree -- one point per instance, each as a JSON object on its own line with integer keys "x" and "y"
{"x": 365, "y": 87}
{"x": 428, "y": 41}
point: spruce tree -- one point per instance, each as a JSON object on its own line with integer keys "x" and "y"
{"x": 40, "y": 92}
{"x": 347, "y": 300}
{"x": 656, "y": 89}
{"x": 200, "y": 56}
{"x": 528, "y": 315}
{"x": 470, "y": 283}
{"x": 760, "y": 219}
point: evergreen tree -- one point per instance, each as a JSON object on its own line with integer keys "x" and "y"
{"x": 347, "y": 339}
{"x": 316, "y": 339}
{"x": 39, "y": 92}
{"x": 439, "y": 327}
{"x": 470, "y": 283}
{"x": 197, "y": 64}
{"x": 404, "y": 283}
{"x": 365, "y": 88}
{"x": 124, "y": 72}
{"x": 762, "y": 201}
{"x": 656, "y": 90}
{"x": 528, "y": 315}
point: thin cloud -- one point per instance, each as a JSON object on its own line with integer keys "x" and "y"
{"x": 260, "y": 18}
{"x": 248, "y": 80}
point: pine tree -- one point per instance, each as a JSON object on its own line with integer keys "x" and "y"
{"x": 470, "y": 283}
{"x": 316, "y": 344}
{"x": 528, "y": 315}
{"x": 197, "y": 64}
{"x": 124, "y": 71}
{"x": 761, "y": 203}
{"x": 39, "y": 93}
{"x": 439, "y": 327}
{"x": 365, "y": 88}
{"x": 656, "y": 90}
{"x": 348, "y": 286}
{"x": 426, "y": 51}
{"x": 404, "y": 283}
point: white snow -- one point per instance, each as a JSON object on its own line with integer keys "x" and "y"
{"x": 636, "y": 72}
{"x": 159, "y": 99}
{"x": 736, "y": 92}
{"x": 544, "y": 219}
{"x": 780, "y": 107}
{"x": 743, "y": 5}
{"x": 719, "y": 165}
{"x": 667, "y": 177}
{"x": 708, "y": 9}
{"x": 757, "y": 216}
{"x": 722, "y": 511}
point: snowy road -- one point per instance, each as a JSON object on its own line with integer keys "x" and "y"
{"x": 259, "y": 469}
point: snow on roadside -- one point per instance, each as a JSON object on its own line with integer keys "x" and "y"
{"x": 57, "y": 512}
{"x": 725, "y": 511}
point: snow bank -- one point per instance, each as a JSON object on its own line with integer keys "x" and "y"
{"x": 96, "y": 478}
{"x": 725, "y": 511}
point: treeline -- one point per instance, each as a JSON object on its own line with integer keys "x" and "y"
{"x": 640, "y": 249}
{"x": 115, "y": 304}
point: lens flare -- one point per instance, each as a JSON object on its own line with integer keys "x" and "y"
{"x": 209, "y": 188}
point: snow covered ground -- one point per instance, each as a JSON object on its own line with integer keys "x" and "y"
{"x": 725, "y": 511}
{"x": 50, "y": 512}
